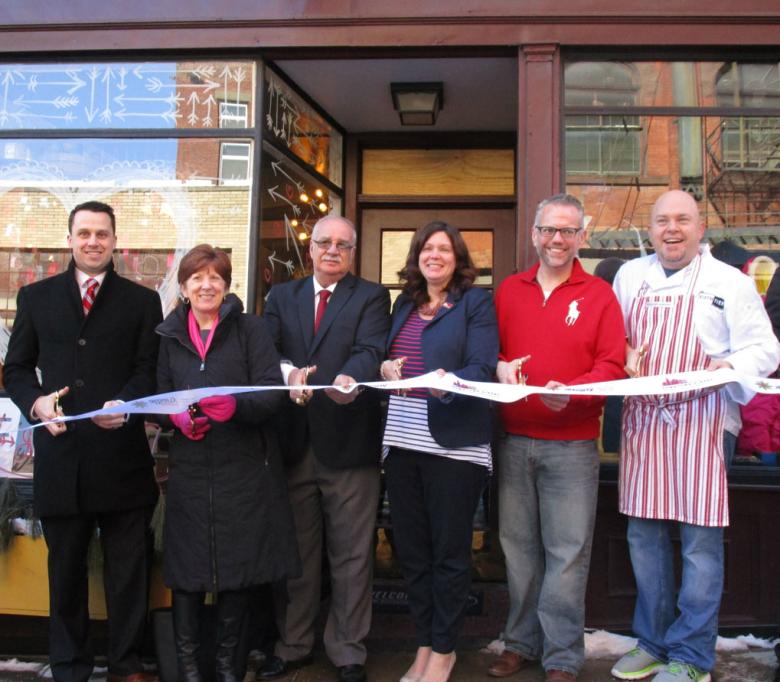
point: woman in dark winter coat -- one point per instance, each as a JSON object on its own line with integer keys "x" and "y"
{"x": 227, "y": 524}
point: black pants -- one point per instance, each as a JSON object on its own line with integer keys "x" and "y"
{"x": 432, "y": 505}
{"x": 127, "y": 554}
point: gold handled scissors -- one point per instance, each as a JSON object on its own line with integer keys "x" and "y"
{"x": 640, "y": 356}
{"x": 305, "y": 396}
{"x": 398, "y": 365}
{"x": 520, "y": 375}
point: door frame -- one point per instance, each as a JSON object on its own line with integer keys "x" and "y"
{"x": 500, "y": 220}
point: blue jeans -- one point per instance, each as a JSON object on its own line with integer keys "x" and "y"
{"x": 690, "y": 636}
{"x": 547, "y": 507}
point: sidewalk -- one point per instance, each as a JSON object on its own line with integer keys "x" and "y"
{"x": 389, "y": 666}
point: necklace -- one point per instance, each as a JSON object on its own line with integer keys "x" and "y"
{"x": 431, "y": 308}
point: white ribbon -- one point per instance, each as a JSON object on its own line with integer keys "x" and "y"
{"x": 663, "y": 384}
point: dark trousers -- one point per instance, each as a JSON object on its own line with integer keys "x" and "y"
{"x": 432, "y": 505}
{"x": 127, "y": 553}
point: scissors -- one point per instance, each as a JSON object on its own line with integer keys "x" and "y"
{"x": 640, "y": 356}
{"x": 398, "y": 365}
{"x": 520, "y": 375}
{"x": 305, "y": 396}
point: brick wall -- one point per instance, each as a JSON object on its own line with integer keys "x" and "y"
{"x": 146, "y": 219}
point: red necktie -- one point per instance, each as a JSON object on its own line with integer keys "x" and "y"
{"x": 89, "y": 294}
{"x": 321, "y": 305}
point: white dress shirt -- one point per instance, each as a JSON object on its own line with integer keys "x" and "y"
{"x": 286, "y": 366}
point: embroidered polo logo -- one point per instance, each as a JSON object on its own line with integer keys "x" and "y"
{"x": 573, "y": 315}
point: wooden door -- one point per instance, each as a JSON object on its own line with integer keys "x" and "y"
{"x": 385, "y": 235}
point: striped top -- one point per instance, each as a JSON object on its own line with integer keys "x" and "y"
{"x": 672, "y": 464}
{"x": 407, "y": 416}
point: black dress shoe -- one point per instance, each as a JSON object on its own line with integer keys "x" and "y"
{"x": 352, "y": 673}
{"x": 277, "y": 667}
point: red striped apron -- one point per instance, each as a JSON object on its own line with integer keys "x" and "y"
{"x": 672, "y": 463}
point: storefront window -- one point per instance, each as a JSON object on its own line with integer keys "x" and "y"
{"x": 167, "y": 194}
{"x": 170, "y": 185}
{"x": 738, "y": 203}
{"x": 598, "y": 84}
{"x": 293, "y": 201}
{"x": 602, "y": 144}
{"x": 294, "y": 123}
{"x": 730, "y": 163}
{"x": 710, "y": 128}
{"x": 750, "y": 142}
{"x": 123, "y": 94}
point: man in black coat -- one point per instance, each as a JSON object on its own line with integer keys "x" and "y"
{"x": 94, "y": 345}
{"x": 332, "y": 327}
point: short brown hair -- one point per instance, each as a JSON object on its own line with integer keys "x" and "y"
{"x": 94, "y": 207}
{"x": 561, "y": 200}
{"x": 201, "y": 256}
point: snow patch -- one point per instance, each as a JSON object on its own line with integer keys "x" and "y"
{"x": 15, "y": 665}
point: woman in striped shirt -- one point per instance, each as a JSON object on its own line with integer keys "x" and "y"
{"x": 437, "y": 445}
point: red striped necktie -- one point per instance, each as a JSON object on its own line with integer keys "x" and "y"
{"x": 89, "y": 295}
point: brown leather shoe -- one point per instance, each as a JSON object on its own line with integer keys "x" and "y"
{"x": 135, "y": 677}
{"x": 507, "y": 664}
{"x": 560, "y": 676}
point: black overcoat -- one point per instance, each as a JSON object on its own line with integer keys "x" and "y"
{"x": 111, "y": 354}
{"x": 228, "y": 523}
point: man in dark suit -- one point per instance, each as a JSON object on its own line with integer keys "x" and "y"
{"x": 91, "y": 334}
{"x": 334, "y": 324}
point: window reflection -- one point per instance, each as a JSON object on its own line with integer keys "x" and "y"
{"x": 22, "y": 266}
{"x": 602, "y": 144}
{"x": 596, "y": 84}
{"x": 619, "y": 163}
{"x": 737, "y": 201}
{"x": 167, "y": 195}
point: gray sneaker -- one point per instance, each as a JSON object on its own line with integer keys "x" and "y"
{"x": 682, "y": 672}
{"x": 636, "y": 665}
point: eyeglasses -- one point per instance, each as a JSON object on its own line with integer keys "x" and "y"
{"x": 325, "y": 244}
{"x": 565, "y": 232}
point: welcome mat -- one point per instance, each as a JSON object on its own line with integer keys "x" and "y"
{"x": 388, "y": 598}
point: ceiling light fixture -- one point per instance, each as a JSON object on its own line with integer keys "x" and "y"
{"x": 418, "y": 104}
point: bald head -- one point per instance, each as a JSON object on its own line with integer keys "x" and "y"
{"x": 676, "y": 229}
{"x": 676, "y": 199}
{"x": 333, "y": 219}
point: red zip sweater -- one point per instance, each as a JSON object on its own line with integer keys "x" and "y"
{"x": 575, "y": 337}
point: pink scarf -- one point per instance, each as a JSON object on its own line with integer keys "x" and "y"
{"x": 197, "y": 339}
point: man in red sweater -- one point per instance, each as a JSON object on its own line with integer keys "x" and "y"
{"x": 557, "y": 326}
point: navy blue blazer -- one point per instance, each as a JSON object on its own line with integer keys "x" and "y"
{"x": 350, "y": 340}
{"x": 462, "y": 338}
